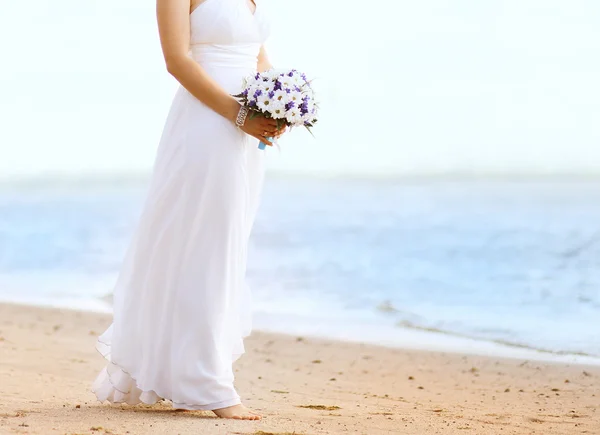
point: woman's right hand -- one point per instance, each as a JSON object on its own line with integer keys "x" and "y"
{"x": 261, "y": 128}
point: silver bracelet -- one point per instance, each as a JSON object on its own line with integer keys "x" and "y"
{"x": 241, "y": 116}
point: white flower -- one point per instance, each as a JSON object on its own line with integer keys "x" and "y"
{"x": 271, "y": 74}
{"x": 251, "y": 81}
{"x": 252, "y": 92}
{"x": 281, "y": 96}
{"x": 252, "y": 88}
{"x": 277, "y": 110}
{"x": 294, "y": 117}
{"x": 287, "y": 81}
{"x": 266, "y": 87}
{"x": 296, "y": 97}
{"x": 277, "y": 104}
{"x": 265, "y": 75}
{"x": 264, "y": 103}
{"x": 298, "y": 80}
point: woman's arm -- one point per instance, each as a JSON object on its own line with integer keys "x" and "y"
{"x": 173, "y": 18}
{"x": 263, "y": 60}
{"x": 174, "y": 29}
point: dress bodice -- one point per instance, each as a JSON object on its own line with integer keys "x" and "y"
{"x": 226, "y": 33}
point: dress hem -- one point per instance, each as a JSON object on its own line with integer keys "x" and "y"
{"x": 147, "y": 397}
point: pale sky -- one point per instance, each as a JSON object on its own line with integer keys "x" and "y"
{"x": 406, "y": 88}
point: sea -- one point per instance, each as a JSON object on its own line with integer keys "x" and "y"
{"x": 449, "y": 199}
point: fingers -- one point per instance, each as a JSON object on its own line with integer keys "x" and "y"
{"x": 268, "y": 122}
{"x": 280, "y": 132}
{"x": 270, "y": 128}
{"x": 276, "y": 129}
{"x": 269, "y": 125}
{"x": 263, "y": 128}
{"x": 264, "y": 140}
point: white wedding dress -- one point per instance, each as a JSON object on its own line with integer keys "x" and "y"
{"x": 181, "y": 305}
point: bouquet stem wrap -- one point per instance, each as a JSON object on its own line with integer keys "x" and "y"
{"x": 262, "y": 145}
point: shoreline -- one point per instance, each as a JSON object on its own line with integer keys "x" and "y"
{"x": 375, "y": 334}
{"x": 302, "y": 385}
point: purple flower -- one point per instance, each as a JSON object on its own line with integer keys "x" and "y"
{"x": 257, "y": 76}
{"x": 252, "y": 104}
{"x": 277, "y": 86}
{"x": 258, "y": 93}
{"x": 288, "y": 90}
{"x": 304, "y": 108}
{"x": 271, "y": 94}
{"x": 290, "y": 105}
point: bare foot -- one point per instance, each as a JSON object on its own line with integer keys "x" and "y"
{"x": 237, "y": 412}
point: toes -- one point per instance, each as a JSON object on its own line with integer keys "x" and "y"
{"x": 244, "y": 417}
{"x": 238, "y": 413}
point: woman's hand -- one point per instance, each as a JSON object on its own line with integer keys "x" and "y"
{"x": 261, "y": 128}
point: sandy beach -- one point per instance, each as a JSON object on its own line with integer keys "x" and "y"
{"x": 301, "y": 385}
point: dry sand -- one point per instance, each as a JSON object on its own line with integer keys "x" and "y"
{"x": 303, "y": 386}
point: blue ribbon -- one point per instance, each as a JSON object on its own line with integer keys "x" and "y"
{"x": 262, "y": 145}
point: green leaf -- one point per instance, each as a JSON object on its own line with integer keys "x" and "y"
{"x": 310, "y": 131}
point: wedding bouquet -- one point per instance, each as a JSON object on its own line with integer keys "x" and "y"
{"x": 284, "y": 95}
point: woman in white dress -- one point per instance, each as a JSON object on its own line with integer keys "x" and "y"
{"x": 181, "y": 305}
